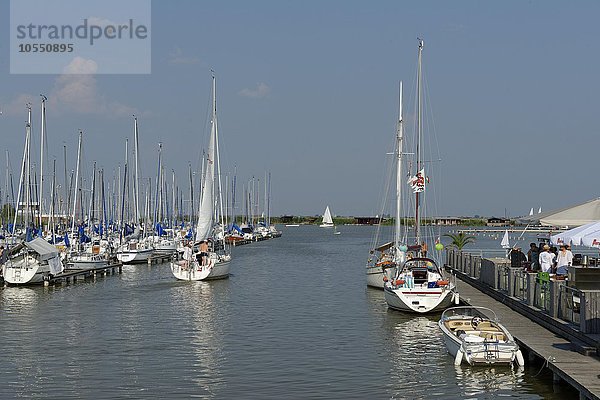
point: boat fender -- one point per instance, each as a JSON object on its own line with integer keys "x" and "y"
{"x": 399, "y": 282}
{"x": 459, "y": 356}
{"x": 520, "y": 359}
{"x": 385, "y": 278}
{"x": 443, "y": 283}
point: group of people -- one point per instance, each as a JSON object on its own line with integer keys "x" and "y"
{"x": 545, "y": 258}
{"x": 201, "y": 256}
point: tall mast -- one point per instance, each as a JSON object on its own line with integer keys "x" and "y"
{"x": 399, "y": 136}
{"x": 24, "y": 166}
{"x": 76, "y": 181}
{"x": 42, "y": 142}
{"x": 136, "y": 181}
{"x": 218, "y": 160}
{"x": 418, "y": 150}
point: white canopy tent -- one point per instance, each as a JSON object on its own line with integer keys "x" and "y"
{"x": 577, "y": 235}
{"x": 577, "y": 215}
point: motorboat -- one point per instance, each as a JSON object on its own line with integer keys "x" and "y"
{"x": 474, "y": 335}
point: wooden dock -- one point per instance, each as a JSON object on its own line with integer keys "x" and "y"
{"x": 73, "y": 275}
{"x": 560, "y": 355}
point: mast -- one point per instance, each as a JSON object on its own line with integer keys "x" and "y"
{"x": 218, "y": 160}
{"x": 418, "y": 150}
{"x": 136, "y": 181}
{"x": 76, "y": 181}
{"x": 399, "y": 136}
{"x": 42, "y": 142}
{"x": 24, "y": 168}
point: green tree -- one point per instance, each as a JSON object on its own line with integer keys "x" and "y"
{"x": 460, "y": 240}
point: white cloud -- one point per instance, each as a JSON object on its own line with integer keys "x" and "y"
{"x": 18, "y": 106}
{"x": 76, "y": 91}
{"x": 262, "y": 90}
{"x": 177, "y": 57}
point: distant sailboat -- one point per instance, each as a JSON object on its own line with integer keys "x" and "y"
{"x": 531, "y": 212}
{"x": 505, "y": 241}
{"x": 327, "y": 220}
{"x": 335, "y": 231}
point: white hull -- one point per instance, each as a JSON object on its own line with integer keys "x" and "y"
{"x": 21, "y": 273}
{"x": 134, "y": 256}
{"x": 217, "y": 269}
{"x": 375, "y": 277}
{"x": 483, "y": 344}
{"x": 419, "y": 300}
{"x": 326, "y": 226}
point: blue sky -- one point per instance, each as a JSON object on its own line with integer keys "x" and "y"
{"x": 308, "y": 91}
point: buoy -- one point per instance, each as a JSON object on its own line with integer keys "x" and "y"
{"x": 439, "y": 246}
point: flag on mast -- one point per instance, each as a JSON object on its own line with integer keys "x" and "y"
{"x": 417, "y": 182}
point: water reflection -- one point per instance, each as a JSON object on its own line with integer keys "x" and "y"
{"x": 489, "y": 380}
{"x": 202, "y": 305}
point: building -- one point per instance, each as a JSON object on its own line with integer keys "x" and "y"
{"x": 495, "y": 221}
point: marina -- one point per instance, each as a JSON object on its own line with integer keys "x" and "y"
{"x": 346, "y": 343}
{"x": 293, "y": 200}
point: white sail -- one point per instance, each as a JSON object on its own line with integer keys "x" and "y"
{"x": 206, "y": 214}
{"x": 531, "y": 212}
{"x": 327, "y": 217}
{"x": 505, "y": 243}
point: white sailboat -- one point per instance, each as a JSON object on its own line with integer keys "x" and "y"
{"x": 214, "y": 262}
{"x": 418, "y": 284}
{"x": 135, "y": 250}
{"x": 327, "y": 220}
{"x": 30, "y": 261}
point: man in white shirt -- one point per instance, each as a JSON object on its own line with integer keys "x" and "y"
{"x": 546, "y": 259}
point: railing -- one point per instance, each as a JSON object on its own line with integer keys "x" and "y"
{"x": 553, "y": 297}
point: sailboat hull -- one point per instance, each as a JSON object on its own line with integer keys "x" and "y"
{"x": 375, "y": 277}
{"x": 134, "y": 256}
{"x": 420, "y": 300}
{"x": 25, "y": 272}
{"x": 217, "y": 269}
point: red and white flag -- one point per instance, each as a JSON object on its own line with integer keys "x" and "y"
{"x": 417, "y": 182}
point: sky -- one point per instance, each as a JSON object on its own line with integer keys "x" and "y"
{"x": 308, "y": 91}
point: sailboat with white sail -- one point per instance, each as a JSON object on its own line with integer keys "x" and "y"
{"x": 327, "y": 220}
{"x": 417, "y": 283}
{"x": 213, "y": 259}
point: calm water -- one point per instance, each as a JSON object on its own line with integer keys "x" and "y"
{"x": 294, "y": 320}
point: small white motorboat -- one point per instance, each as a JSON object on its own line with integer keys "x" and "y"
{"x": 474, "y": 335}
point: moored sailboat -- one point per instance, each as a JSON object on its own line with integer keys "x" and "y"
{"x": 417, "y": 284}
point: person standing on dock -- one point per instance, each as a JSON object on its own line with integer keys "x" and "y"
{"x": 546, "y": 259}
{"x": 563, "y": 260}
{"x": 517, "y": 257}
{"x": 533, "y": 256}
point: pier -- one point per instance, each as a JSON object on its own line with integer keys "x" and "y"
{"x": 73, "y": 275}
{"x": 553, "y": 322}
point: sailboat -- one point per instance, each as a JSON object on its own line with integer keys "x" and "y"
{"x": 135, "y": 249}
{"x": 327, "y": 220}
{"x": 212, "y": 261}
{"x": 417, "y": 283}
{"x": 32, "y": 260}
